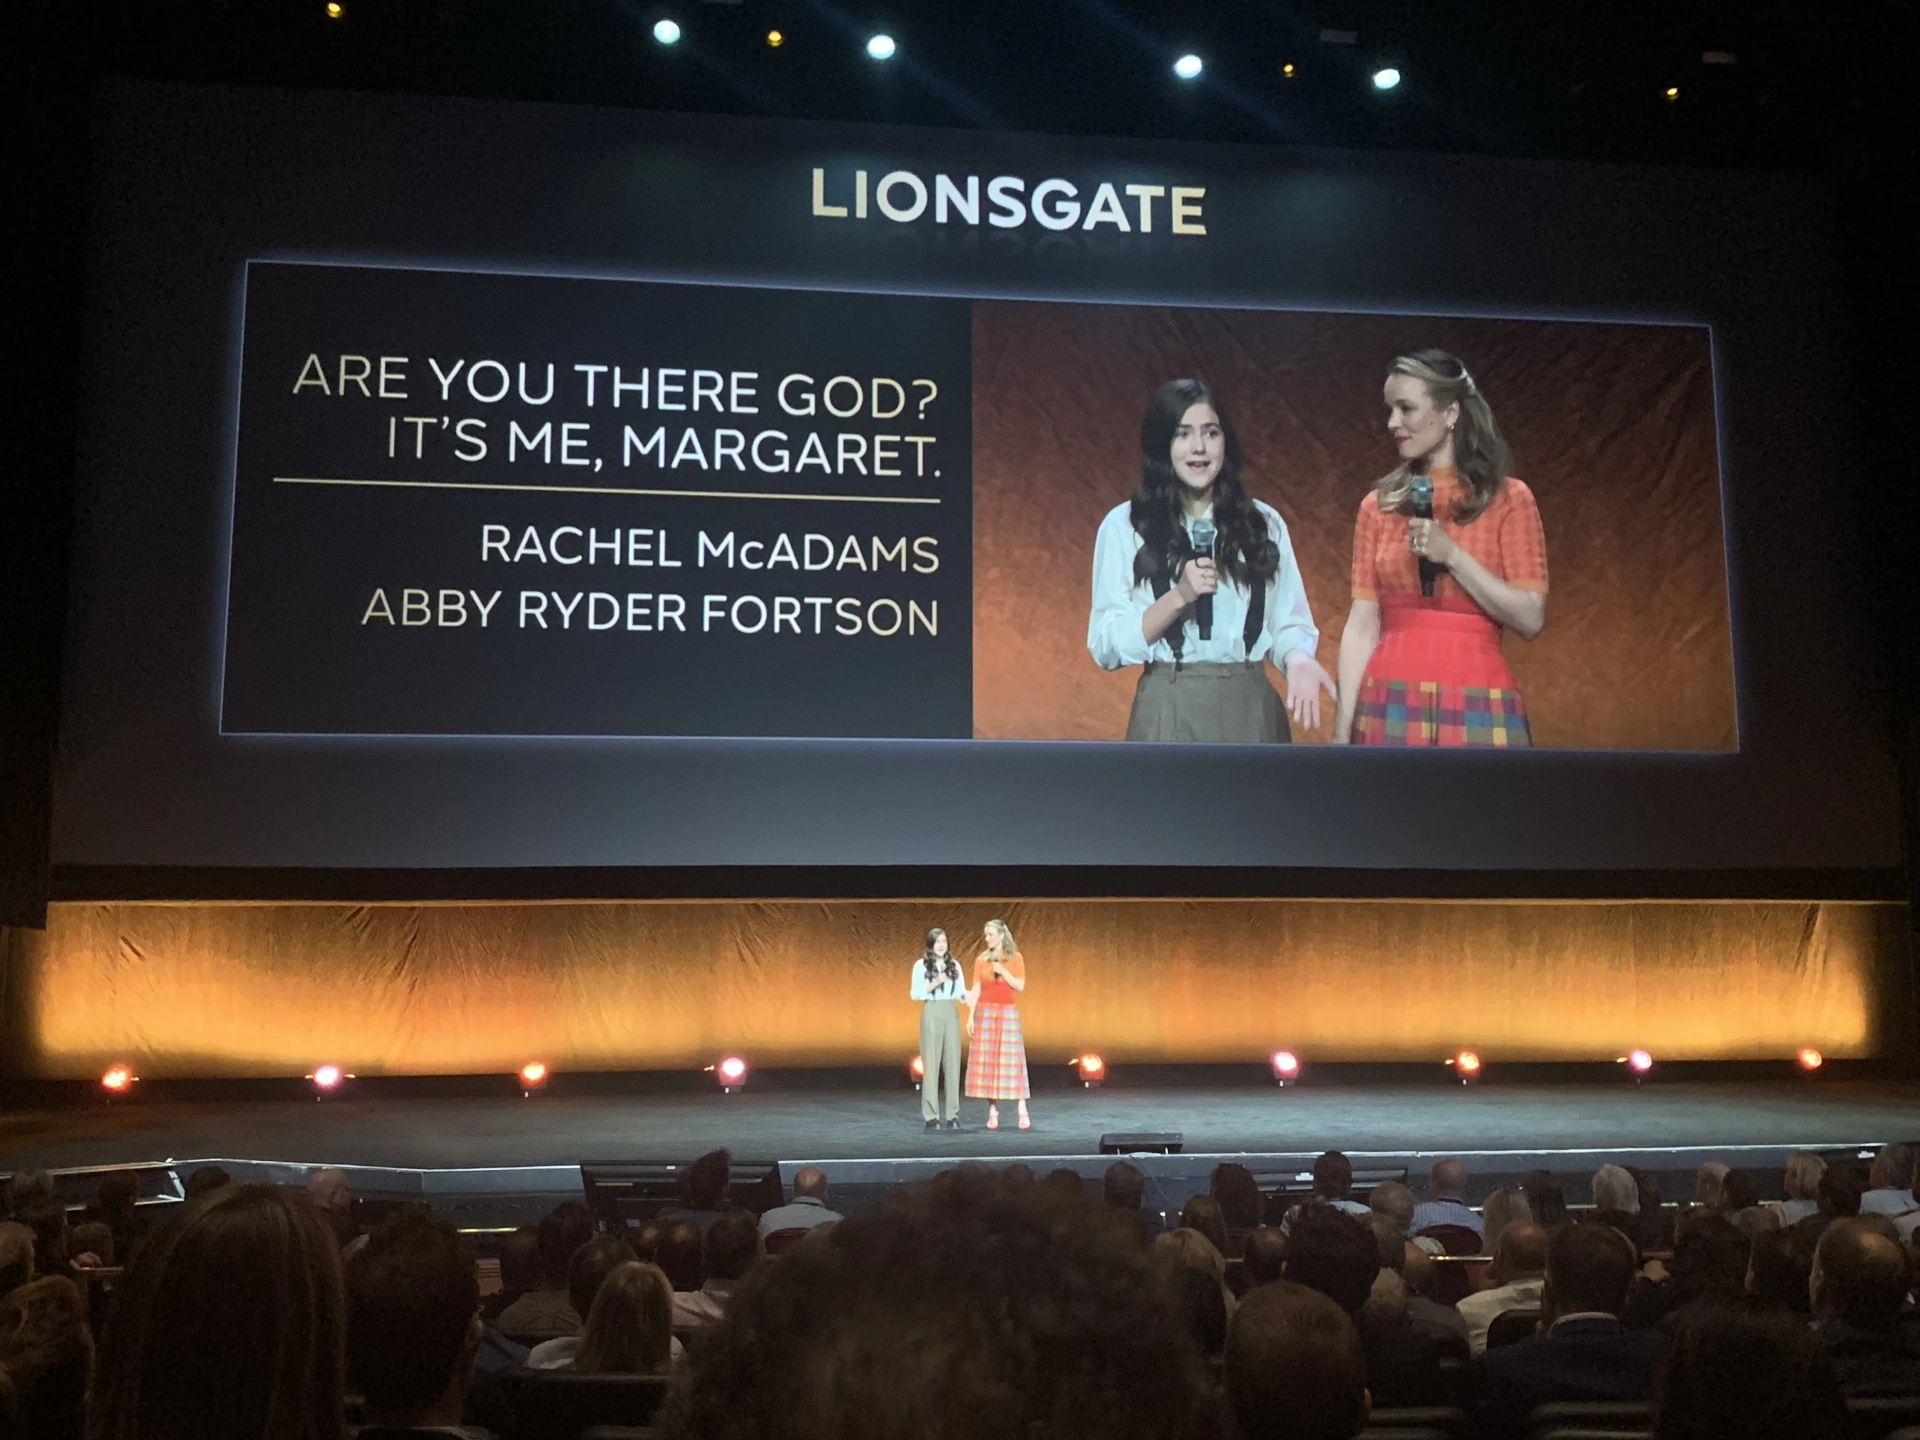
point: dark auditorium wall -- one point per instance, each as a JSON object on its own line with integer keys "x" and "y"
{"x": 1612, "y": 426}
{"x": 236, "y": 989}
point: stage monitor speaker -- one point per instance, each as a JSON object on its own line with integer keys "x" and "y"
{"x": 624, "y": 1195}
{"x": 1145, "y": 1142}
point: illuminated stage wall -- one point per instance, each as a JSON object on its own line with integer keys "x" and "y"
{"x": 199, "y": 989}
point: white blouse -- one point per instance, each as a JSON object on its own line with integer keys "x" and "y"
{"x": 1114, "y": 637}
{"x": 940, "y": 988}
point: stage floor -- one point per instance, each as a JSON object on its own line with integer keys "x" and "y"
{"x": 881, "y": 1123}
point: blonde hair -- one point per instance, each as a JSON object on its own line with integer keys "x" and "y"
{"x": 1479, "y": 451}
{"x": 1504, "y": 1207}
{"x": 629, "y": 1330}
{"x": 1007, "y": 947}
{"x": 1804, "y": 1169}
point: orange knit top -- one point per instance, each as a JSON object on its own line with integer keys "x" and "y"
{"x": 998, "y": 992}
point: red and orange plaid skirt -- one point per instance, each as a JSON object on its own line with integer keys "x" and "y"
{"x": 1437, "y": 677}
{"x": 997, "y": 1063}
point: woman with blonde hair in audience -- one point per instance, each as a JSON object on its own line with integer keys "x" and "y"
{"x": 630, "y": 1327}
{"x": 1503, "y": 1208}
{"x": 1804, "y": 1169}
{"x": 1189, "y": 1250}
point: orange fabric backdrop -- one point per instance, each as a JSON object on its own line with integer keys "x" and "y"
{"x": 1611, "y": 425}
{"x": 210, "y": 989}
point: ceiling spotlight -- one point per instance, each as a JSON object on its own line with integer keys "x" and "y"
{"x": 881, "y": 47}
{"x": 1289, "y": 70}
{"x": 118, "y": 1080}
{"x": 1286, "y": 1068}
{"x": 1385, "y": 78}
{"x": 730, "y": 1074}
{"x": 776, "y": 39}
{"x": 1091, "y": 1069}
{"x": 1809, "y": 1059}
{"x": 1188, "y": 67}
{"x": 667, "y": 32}
{"x": 1638, "y": 1063}
{"x": 533, "y": 1075}
{"x": 1467, "y": 1066}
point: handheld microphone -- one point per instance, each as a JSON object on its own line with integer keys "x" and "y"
{"x": 1203, "y": 607}
{"x": 1420, "y": 502}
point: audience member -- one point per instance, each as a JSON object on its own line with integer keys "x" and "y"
{"x": 116, "y": 1205}
{"x": 1202, "y": 1213}
{"x": 1545, "y": 1198}
{"x": 586, "y": 1272}
{"x": 680, "y": 1253}
{"x": 46, "y": 1358}
{"x": 1241, "y": 1203}
{"x": 1656, "y": 1216}
{"x": 1333, "y": 1182}
{"x": 519, "y": 1272}
{"x": 1584, "y": 1352}
{"x": 1066, "y": 1182}
{"x": 1203, "y": 1304}
{"x": 1504, "y": 1207}
{"x": 1739, "y": 1190}
{"x": 629, "y": 1327}
{"x": 92, "y": 1245}
{"x": 1185, "y": 1250}
{"x": 1338, "y": 1256}
{"x": 16, "y": 1256}
{"x": 1744, "y": 1371}
{"x": 51, "y": 1237}
{"x": 1124, "y": 1187}
{"x": 1614, "y": 1189}
{"x": 1858, "y": 1285}
{"x": 230, "y": 1323}
{"x": 646, "y": 1240}
{"x": 1710, "y": 1258}
{"x": 1802, "y": 1184}
{"x": 1708, "y": 1185}
{"x": 1513, "y": 1281}
{"x": 332, "y": 1196}
{"x": 1446, "y": 1202}
{"x": 413, "y": 1324}
{"x": 1779, "y": 1268}
{"x": 1755, "y": 1221}
{"x": 1295, "y": 1367}
{"x": 809, "y": 1205}
{"x": 732, "y": 1245}
{"x": 545, "y": 1309}
{"x": 1890, "y": 1182}
{"x": 965, "y": 1309}
{"x": 1265, "y": 1255}
{"x": 1441, "y": 1324}
{"x": 27, "y": 1190}
{"x": 1837, "y": 1197}
{"x": 1393, "y": 1201}
{"x": 205, "y": 1179}
{"x": 703, "y": 1190}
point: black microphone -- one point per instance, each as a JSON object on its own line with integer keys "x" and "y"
{"x": 1203, "y": 607}
{"x": 1420, "y": 502}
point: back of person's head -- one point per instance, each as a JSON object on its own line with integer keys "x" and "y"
{"x": 1627, "y": 1225}
{"x": 646, "y": 1240}
{"x": 328, "y": 1189}
{"x": 27, "y": 1189}
{"x": 117, "y": 1192}
{"x": 520, "y": 1259}
{"x": 1745, "y": 1371}
{"x": 1265, "y": 1256}
{"x": 733, "y": 1242}
{"x": 567, "y": 1227}
{"x": 1740, "y": 1190}
{"x": 1417, "y": 1269}
{"x": 1185, "y": 1249}
{"x": 1202, "y": 1213}
{"x": 95, "y": 1238}
{"x": 1839, "y": 1191}
{"x": 1859, "y": 1276}
{"x": 1895, "y": 1163}
{"x": 1336, "y": 1255}
{"x": 206, "y": 1178}
{"x": 1802, "y": 1178}
{"x": 1295, "y": 1367}
{"x": 1203, "y": 1303}
{"x": 1779, "y": 1267}
{"x": 629, "y": 1329}
{"x": 1447, "y": 1177}
{"x": 51, "y": 1236}
{"x": 1709, "y": 1183}
{"x": 1124, "y": 1185}
{"x": 1391, "y": 1243}
{"x": 229, "y": 1325}
{"x": 964, "y": 1308}
{"x": 46, "y": 1353}
{"x": 590, "y": 1266}
{"x": 1505, "y": 1206}
{"x": 1590, "y": 1268}
{"x": 707, "y": 1179}
{"x": 1520, "y": 1253}
{"x": 1709, "y": 1256}
{"x": 1241, "y": 1202}
{"x": 412, "y": 1301}
{"x": 680, "y": 1254}
{"x": 1065, "y": 1182}
{"x": 1615, "y": 1189}
{"x": 1755, "y": 1221}
{"x": 1332, "y": 1175}
{"x": 1393, "y": 1201}
{"x": 1648, "y": 1185}
{"x": 811, "y": 1181}
{"x": 16, "y": 1256}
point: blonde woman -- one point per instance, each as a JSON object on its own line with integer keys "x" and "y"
{"x": 997, "y": 1062}
{"x": 1804, "y": 1169}
{"x": 630, "y": 1327}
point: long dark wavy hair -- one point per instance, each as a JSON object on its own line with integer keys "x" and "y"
{"x": 1479, "y": 451}
{"x": 933, "y": 962}
{"x": 1243, "y": 549}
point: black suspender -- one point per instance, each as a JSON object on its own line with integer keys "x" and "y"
{"x": 1249, "y": 633}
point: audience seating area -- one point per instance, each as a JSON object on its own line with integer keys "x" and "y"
{"x": 986, "y": 1302}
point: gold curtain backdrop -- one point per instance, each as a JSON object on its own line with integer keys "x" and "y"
{"x": 227, "y": 989}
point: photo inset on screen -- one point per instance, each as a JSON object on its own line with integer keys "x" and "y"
{"x": 1225, "y": 526}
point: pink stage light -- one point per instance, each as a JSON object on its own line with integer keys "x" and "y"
{"x": 326, "y": 1077}
{"x": 730, "y": 1073}
{"x": 1091, "y": 1069}
{"x": 1286, "y": 1067}
{"x": 533, "y": 1075}
{"x": 1638, "y": 1061}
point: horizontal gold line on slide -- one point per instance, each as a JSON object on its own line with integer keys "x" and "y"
{"x": 606, "y": 490}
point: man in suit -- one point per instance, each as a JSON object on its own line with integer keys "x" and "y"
{"x": 1583, "y": 1351}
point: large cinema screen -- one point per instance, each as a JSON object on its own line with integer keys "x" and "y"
{"x": 465, "y": 483}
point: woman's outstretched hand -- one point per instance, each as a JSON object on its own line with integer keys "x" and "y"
{"x": 1306, "y": 678}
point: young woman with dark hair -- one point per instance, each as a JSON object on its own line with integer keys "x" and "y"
{"x": 1195, "y": 580}
{"x": 1420, "y": 660}
{"x": 940, "y": 986}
